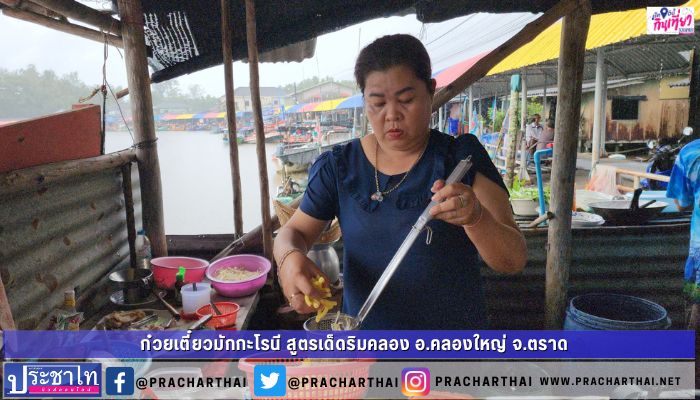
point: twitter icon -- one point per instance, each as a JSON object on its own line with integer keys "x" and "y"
{"x": 270, "y": 380}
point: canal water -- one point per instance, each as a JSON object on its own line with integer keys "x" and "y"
{"x": 196, "y": 176}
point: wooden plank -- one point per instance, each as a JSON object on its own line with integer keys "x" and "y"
{"x": 63, "y": 26}
{"x": 259, "y": 129}
{"x": 42, "y": 175}
{"x": 226, "y": 47}
{"x": 69, "y": 135}
{"x": 483, "y": 66}
{"x": 131, "y": 15}
{"x": 79, "y": 12}
{"x": 559, "y": 239}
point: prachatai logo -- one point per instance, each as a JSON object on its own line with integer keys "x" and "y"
{"x": 47, "y": 380}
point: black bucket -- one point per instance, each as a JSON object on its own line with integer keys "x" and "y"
{"x": 603, "y": 311}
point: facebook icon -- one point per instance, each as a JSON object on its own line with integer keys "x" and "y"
{"x": 119, "y": 381}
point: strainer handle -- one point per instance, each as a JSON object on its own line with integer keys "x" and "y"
{"x": 456, "y": 175}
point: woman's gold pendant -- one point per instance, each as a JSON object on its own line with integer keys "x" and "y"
{"x": 377, "y": 196}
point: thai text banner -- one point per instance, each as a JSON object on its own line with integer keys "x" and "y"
{"x": 356, "y": 344}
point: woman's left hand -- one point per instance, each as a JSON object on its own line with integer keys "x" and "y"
{"x": 458, "y": 203}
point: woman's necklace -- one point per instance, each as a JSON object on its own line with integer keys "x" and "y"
{"x": 379, "y": 195}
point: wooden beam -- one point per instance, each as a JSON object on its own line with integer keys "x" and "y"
{"x": 259, "y": 128}
{"x": 80, "y": 12}
{"x": 131, "y": 14}
{"x": 485, "y": 64}
{"x": 34, "y": 178}
{"x": 559, "y": 241}
{"x": 31, "y": 7}
{"x": 226, "y": 47}
{"x": 63, "y": 26}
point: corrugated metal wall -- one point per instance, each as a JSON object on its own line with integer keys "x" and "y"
{"x": 643, "y": 261}
{"x": 68, "y": 234}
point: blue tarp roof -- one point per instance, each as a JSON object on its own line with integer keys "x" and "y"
{"x": 351, "y": 102}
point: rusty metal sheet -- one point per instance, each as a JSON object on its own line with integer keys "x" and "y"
{"x": 66, "y": 235}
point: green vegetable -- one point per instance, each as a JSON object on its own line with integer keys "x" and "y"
{"x": 520, "y": 191}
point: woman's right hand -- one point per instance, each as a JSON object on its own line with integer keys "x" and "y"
{"x": 295, "y": 278}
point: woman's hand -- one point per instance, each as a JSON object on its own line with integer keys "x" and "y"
{"x": 296, "y": 272}
{"x": 458, "y": 204}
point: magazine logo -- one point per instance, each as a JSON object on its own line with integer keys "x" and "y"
{"x": 71, "y": 380}
{"x": 670, "y": 20}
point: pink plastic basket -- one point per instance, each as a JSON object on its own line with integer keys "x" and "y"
{"x": 298, "y": 368}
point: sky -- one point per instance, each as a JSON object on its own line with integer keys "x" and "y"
{"x": 23, "y": 43}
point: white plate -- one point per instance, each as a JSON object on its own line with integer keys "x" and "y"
{"x": 584, "y": 219}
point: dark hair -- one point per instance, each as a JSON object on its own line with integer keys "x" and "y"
{"x": 550, "y": 123}
{"x": 392, "y": 50}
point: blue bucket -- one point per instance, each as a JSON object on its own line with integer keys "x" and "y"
{"x": 602, "y": 311}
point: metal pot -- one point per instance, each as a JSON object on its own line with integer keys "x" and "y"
{"x": 136, "y": 288}
{"x": 627, "y": 212}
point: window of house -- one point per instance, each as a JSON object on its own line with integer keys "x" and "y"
{"x": 625, "y": 108}
{"x": 247, "y": 103}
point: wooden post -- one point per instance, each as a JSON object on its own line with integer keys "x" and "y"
{"x": 522, "y": 172}
{"x": 513, "y": 129}
{"x": 570, "y": 74}
{"x": 470, "y": 112}
{"x": 479, "y": 115}
{"x": 259, "y": 128}
{"x": 694, "y": 94}
{"x": 131, "y": 15}
{"x": 599, "y": 100}
{"x": 226, "y": 47}
{"x": 129, "y": 208}
{"x": 545, "y": 114}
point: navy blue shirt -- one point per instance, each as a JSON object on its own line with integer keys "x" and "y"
{"x": 437, "y": 286}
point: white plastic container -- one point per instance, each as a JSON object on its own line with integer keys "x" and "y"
{"x": 194, "y": 299}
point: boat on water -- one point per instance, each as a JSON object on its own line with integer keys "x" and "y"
{"x": 270, "y": 137}
{"x": 301, "y": 155}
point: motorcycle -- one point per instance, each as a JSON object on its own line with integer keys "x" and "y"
{"x": 663, "y": 156}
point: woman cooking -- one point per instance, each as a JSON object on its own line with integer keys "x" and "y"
{"x": 377, "y": 186}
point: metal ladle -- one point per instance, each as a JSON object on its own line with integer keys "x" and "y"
{"x": 347, "y": 322}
